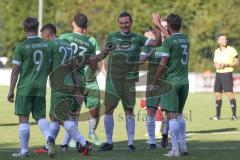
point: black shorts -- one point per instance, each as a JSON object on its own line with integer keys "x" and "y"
{"x": 223, "y": 82}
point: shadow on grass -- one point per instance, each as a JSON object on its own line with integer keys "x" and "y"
{"x": 220, "y": 150}
{"x": 215, "y": 130}
{"x": 15, "y": 124}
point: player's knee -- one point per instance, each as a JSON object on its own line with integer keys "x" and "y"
{"x": 52, "y": 118}
{"x": 109, "y": 110}
{"x": 23, "y": 119}
{"x": 94, "y": 113}
{"x": 218, "y": 96}
{"x": 128, "y": 111}
{"x": 151, "y": 111}
{"x": 230, "y": 95}
{"x": 172, "y": 115}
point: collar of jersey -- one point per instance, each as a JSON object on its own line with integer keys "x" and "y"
{"x": 33, "y": 37}
{"x": 79, "y": 33}
{"x": 224, "y": 49}
{"x": 176, "y": 33}
{"x": 125, "y": 34}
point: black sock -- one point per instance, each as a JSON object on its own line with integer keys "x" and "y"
{"x": 218, "y": 108}
{"x": 233, "y": 106}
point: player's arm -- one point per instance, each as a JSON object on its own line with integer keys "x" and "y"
{"x": 73, "y": 68}
{"x": 235, "y": 62}
{"x": 157, "y": 22}
{"x": 145, "y": 55}
{"x": 17, "y": 61}
{"x": 164, "y": 52}
{"x": 102, "y": 55}
{"x": 157, "y": 41}
{"x": 13, "y": 82}
{"x": 216, "y": 64}
{"x": 161, "y": 70}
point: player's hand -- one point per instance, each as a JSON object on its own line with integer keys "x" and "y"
{"x": 219, "y": 66}
{"x": 156, "y": 18}
{"x": 110, "y": 46}
{"x": 10, "y": 97}
{"x": 149, "y": 35}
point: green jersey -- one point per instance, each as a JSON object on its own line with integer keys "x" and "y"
{"x": 81, "y": 46}
{"x": 90, "y": 75}
{"x": 153, "y": 62}
{"x": 123, "y": 61}
{"x": 62, "y": 52}
{"x": 34, "y": 57}
{"x": 176, "y": 47}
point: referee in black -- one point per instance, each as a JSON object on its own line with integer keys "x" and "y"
{"x": 225, "y": 59}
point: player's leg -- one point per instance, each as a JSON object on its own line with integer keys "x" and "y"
{"x": 128, "y": 97}
{"x": 233, "y": 104}
{"x": 183, "y": 94}
{"x": 169, "y": 103}
{"x": 92, "y": 102}
{"x": 165, "y": 129}
{"x": 54, "y": 125}
{"x": 158, "y": 122}
{"x": 227, "y": 79}
{"x": 152, "y": 101}
{"x": 23, "y": 109}
{"x": 151, "y": 111}
{"x": 218, "y": 95}
{"x": 113, "y": 87}
{"x": 72, "y": 129}
{"x": 82, "y": 145}
{"x": 39, "y": 114}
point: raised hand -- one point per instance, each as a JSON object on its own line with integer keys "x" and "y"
{"x": 156, "y": 18}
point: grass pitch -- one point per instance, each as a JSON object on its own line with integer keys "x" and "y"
{"x": 207, "y": 139}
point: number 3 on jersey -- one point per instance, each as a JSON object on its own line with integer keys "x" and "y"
{"x": 38, "y": 58}
{"x": 184, "y": 54}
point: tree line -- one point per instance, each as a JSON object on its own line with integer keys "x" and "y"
{"x": 203, "y": 20}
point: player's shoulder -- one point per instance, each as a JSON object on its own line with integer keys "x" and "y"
{"x": 217, "y": 50}
{"x": 113, "y": 34}
{"x": 231, "y": 48}
{"x": 64, "y": 35}
{"x": 21, "y": 43}
{"x": 87, "y": 37}
{"x": 92, "y": 39}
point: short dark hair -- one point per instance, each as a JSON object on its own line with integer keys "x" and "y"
{"x": 50, "y": 28}
{"x": 125, "y": 14}
{"x": 30, "y": 24}
{"x": 221, "y": 34}
{"x": 81, "y": 20}
{"x": 174, "y": 21}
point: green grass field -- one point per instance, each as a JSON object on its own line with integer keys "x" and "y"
{"x": 207, "y": 140}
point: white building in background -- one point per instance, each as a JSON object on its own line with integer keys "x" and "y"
{"x": 4, "y": 60}
{"x": 198, "y": 82}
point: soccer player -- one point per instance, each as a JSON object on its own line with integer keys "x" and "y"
{"x": 173, "y": 68}
{"x": 225, "y": 59}
{"x": 122, "y": 74}
{"x": 31, "y": 61}
{"x": 61, "y": 60}
{"x": 82, "y": 45}
{"x": 92, "y": 101}
{"x": 153, "y": 100}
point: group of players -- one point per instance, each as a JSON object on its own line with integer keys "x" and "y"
{"x": 71, "y": 61}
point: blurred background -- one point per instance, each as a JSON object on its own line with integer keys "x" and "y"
{"x": 202, "y": 20}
